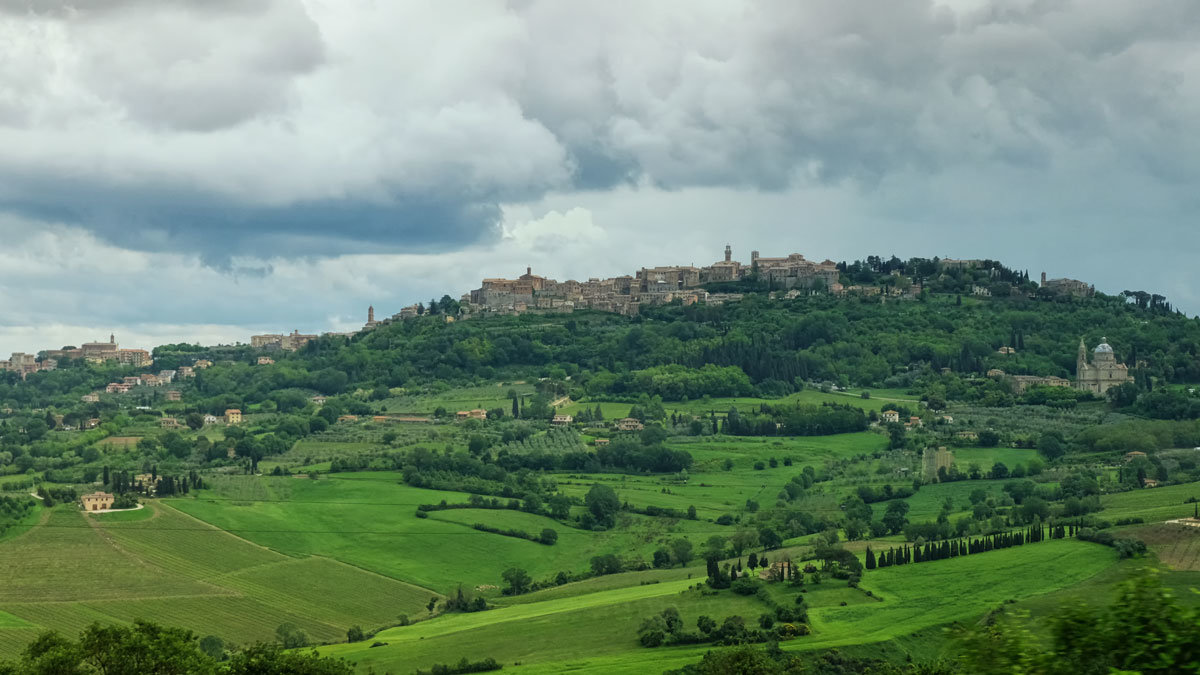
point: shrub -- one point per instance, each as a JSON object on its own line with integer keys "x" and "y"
{"x": 744, "y": 586}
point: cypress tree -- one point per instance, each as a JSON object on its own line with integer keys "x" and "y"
{"x": 870, "y": 559}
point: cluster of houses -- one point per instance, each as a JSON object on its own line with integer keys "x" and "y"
{"x": 164, "y": 377}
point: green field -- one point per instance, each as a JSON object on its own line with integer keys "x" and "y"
{"x": 73, "y": 568}
{"x": 453, "y": 400}
{"x": 368, "y": 520}
{"x": 596, "y": 631}
{"x": 1151, "y": 505}
{"x": 985, "y": 458}
{"x": 720, "y": 406}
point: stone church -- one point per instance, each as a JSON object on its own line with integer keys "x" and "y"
{"x": 1103, "y": 373}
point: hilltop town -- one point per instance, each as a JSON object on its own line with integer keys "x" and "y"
{"x": 724, "y": 280}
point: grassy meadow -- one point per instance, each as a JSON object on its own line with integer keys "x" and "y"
{"x": 595, "y": 629}
{"x": 70, "y": 569}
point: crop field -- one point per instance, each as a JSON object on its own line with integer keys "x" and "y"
{"x": 720, "y": 406}
{"x": 710, "y": 452}
{"x": 1177, "y": 546}
{"x": 120, "y": 442}
{"x": 596, "y": 631}
{"x": 1151, "y": 505}
{"x": 73, "y": 569}
{"x": 985, "y": 458}
{"x": 461, "y": 398}
{"x": 368, "y": 520}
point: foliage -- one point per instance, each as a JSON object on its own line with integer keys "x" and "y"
{"x": 145, "y": 647}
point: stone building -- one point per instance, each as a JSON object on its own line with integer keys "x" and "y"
{"x": 1103, "y": 373}
{"x": 1073, "y": 287}
{"x": 97, "y": 501}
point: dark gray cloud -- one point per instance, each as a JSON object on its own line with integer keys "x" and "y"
{"x": 281, "y": 127}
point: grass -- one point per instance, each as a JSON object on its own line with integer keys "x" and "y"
{"x": 595, "y": 632}
{"x": 461, "y": 398}
{"x": 73, "y": 569}
{"x": 596, "y": 624}
{"x": 720, "y": 406}
{"x": 985, "y": 458}
{"x": 926, "y": 504}
{"x": 1152, "y": 505}
{"x": 368, "y": 520}
{"x": 931, "y": 594}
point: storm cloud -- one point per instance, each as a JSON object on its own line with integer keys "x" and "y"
{"x": 263, "y": 145}
{"x": 280, "y": 126}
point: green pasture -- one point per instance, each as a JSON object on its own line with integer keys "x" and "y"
{"x": 929, "y": 594}
{"x": 926, "y": 504}
{"x": 720, "y": 406}
{"x": 368, "y": 520}
{"x": 986, "y": 458}
{"x": 584, "y": 628}
{"x": 460, "y": 398}
{"x": 74, "y": 568}
{"x": 596, "y": 632}
{"x": 1151, "y": 504}
{"x": 710, "y": 452}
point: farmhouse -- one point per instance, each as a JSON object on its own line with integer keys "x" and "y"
{"x": 601, "y": 442}
{"x": 233, "y": 416}
{"x": 629, "y": 424}
{"x": 169, "y": 423}
{"x": 1130, "y": 456}
{"x": 174, "y": 395}
{"x": 318, "y": 400}
{"x": 562, "y": 420}
{"x": 211, "y": 419}
{"x": 96, "y": 501}
{"x": 890, "y": 417}
{"x": 967, "y": 435}
{"x": 476, "y": 414}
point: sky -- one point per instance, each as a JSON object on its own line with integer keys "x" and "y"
{"x": 173, "y": 170}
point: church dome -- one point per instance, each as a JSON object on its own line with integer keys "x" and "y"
{"x": 1103, "y": 347}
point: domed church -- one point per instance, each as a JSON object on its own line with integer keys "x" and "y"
{"x": 1103, "y": 373}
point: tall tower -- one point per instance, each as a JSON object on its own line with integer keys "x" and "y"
{"x": 112, "y": 339}
{"x": 1043, "y": 279}
{"x": 371, "y": 314}
{"x": 728, "y": 253}
{"x": 1081, "y": 363}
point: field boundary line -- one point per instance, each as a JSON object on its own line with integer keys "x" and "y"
{"x": 226, "y": 532}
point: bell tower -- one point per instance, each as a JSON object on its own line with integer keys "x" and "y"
{"x": 371, "y": 314}
{"x": 728, "y": 253}
{"x": 1081, "y": 363}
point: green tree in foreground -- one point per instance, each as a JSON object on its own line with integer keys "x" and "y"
{"x": 1145, "y": 630}
{"x": 149, "y": 649}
